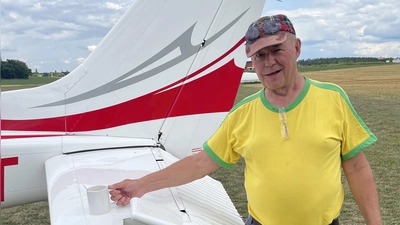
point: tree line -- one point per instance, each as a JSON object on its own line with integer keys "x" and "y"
{"x": 14, "y": 69}
{"x": 340, "y": 60}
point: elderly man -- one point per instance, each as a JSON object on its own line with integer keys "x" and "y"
{"x": 294, "y": 134}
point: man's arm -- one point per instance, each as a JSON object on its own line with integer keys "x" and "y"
{"x": 184, "y": 171}
{"x": 362, "y": 185}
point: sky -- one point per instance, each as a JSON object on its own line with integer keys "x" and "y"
{"x": 57, "y": 35}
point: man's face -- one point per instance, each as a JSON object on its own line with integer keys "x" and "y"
{"x": 276, "y": 65}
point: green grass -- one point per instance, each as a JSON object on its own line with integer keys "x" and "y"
{"x": 29, "y": 214}
{"x": 374, "y": 93}
{"x": 15, "y": 84}
{"x": 30, "y": 81}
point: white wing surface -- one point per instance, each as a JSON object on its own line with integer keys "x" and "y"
{"x": 201, "y": 202}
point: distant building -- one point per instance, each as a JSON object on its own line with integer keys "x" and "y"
{"x": 396, "y": 60}
{"x": 249, "y": 65}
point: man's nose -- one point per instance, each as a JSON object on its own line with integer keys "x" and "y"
{"x": 269, "y": 60}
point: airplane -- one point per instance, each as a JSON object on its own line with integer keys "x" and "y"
{"x": 155, "y": 88}
{"x": 249, "y": 77}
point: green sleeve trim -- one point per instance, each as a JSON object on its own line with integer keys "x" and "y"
{"x": 214, "y": 156}
{"x": 360, "y": 147}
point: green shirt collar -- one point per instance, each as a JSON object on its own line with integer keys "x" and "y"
{"x": 292, "y": 105}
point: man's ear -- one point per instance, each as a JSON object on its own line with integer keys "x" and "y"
{"x": 298, "y": 47}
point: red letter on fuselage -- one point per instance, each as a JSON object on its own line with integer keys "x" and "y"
{"x": 6, "y": 162}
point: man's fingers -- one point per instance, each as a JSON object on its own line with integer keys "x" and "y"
{"x": 115, "y": 192}
{"x": 126, "y": 201}
{"x": 118, "y": 194}
{"x": 123, "y": 201}
{"x": 116, "y": 186}
{"x": 116, "y": 198}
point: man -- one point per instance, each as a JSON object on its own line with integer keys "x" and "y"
{"x": 295, "y": 134}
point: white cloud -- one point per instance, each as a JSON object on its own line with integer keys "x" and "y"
{"x": 6, "y": 45}
{"x": 14, "y": 15}
{"x": 110, "y": 5}
{"x": 347, "y": 28}
{"x": 80, "y": 60}
{"x": 37, "y": 6}
{"x": 387, "y": 49}
{"x": 20, "y": 3}
{"x": 91, "y": 47}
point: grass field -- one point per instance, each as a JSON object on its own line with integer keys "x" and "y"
{"x": 374, "y": 93}
{"x": 13, "y": 84}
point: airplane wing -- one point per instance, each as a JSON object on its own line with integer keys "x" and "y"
{"x": 68, "y": 176}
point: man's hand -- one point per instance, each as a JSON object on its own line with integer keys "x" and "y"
{"x": 122, "y": 192}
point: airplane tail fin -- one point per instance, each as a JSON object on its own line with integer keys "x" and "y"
{"x": 168, "y": 70}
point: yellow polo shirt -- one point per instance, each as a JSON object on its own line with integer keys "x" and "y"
{"x": 294, "y": 180}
